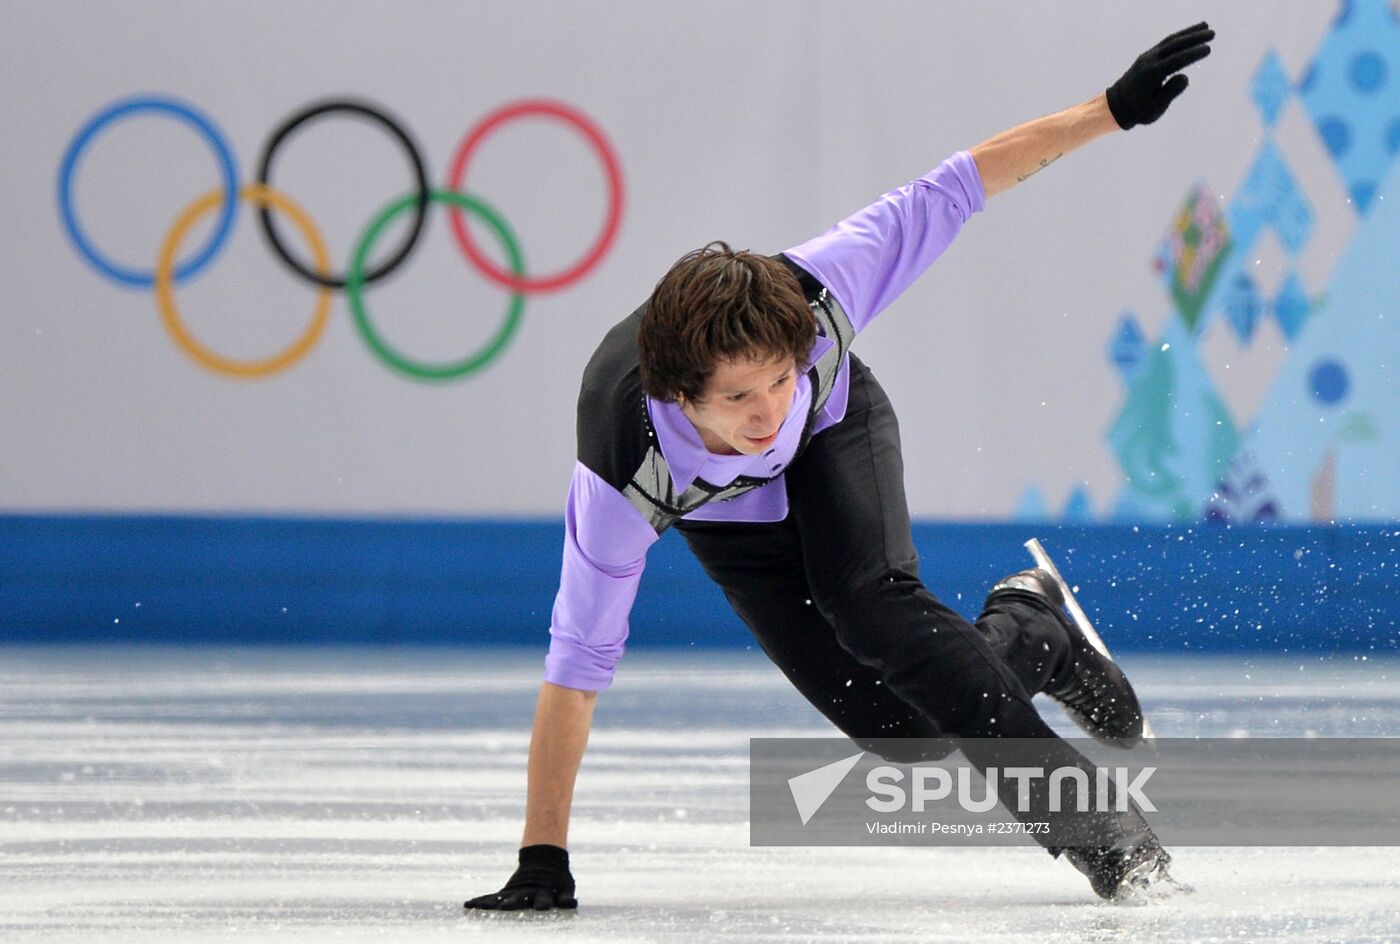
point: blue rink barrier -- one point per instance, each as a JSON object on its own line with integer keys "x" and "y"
{"x": 215, "y": 580}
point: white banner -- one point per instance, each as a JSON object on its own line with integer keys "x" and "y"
{"x": 760, "y": 124}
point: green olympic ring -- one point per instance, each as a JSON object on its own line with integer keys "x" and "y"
{"x": 355, "y": 281}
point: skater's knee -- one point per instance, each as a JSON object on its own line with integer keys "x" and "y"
{"x": 855, "y": 599}
{"x": 963, "y": 689}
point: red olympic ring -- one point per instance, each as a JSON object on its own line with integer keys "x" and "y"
{"x": 594, "y": 136}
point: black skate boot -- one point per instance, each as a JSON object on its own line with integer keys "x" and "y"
{"x": 1122, "y": 874}
{"x": 1092, "y": 690}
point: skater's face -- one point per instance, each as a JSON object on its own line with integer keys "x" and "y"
{"x": 743, "y": 405}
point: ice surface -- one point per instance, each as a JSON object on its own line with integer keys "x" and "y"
{"x": 338, "y": 795}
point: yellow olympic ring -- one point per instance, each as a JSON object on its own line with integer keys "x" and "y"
{"x": 259, "y": 195}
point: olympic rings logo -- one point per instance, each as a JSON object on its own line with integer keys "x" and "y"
{"x": 170, "y": 271}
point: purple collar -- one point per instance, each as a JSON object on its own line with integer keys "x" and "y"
{"x": 687, "y": 457}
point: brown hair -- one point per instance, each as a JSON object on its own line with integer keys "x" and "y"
{"x": 720, "y": 304}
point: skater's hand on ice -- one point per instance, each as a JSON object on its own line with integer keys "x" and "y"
{"x": 1142, "y": 95}
{"x": 541, "y": 883}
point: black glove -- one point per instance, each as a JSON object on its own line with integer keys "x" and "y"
{"x": 1143, "y": 93}
{"x": 542, "y": 882}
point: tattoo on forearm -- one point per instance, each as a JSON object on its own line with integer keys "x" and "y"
{"x": 1043, "y": 164}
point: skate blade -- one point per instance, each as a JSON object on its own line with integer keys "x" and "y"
{"x": 1081, "y": 619}
{"x": 520, "y": 914}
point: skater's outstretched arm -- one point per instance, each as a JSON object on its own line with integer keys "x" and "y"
{"x": 1140, "y": 97}
{"x": 868, "y": 259}
{"x": 543, "y": 881}
{"x": 1017, "y": 154}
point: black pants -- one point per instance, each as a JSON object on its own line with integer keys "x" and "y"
{"x": 832, "y": 594}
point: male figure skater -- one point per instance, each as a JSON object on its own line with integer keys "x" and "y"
{"x": 729, "y": 406}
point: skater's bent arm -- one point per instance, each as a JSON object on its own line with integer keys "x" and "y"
{"x": 563, "y": 717}
{"x": 1022, "y": 151}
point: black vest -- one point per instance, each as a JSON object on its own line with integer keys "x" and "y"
{"x": 615, "y": 436}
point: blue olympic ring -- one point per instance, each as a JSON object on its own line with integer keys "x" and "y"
{"x": 174, "y": 109}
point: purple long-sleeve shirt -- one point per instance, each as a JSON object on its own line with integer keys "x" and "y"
{"x": 865, "y": 261}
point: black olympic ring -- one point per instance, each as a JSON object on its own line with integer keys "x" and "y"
{"x": 419, "y": 171}
{"x": 169, "y": 271}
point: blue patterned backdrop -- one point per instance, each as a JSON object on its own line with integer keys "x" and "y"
{"x": 1266, "y": 397}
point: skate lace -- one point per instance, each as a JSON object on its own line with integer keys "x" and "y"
{"x": 1082, "y": 695}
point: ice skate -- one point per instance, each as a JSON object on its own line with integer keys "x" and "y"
{"x": 1094, "y": 692}
{"x": 1136, "y": 873}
